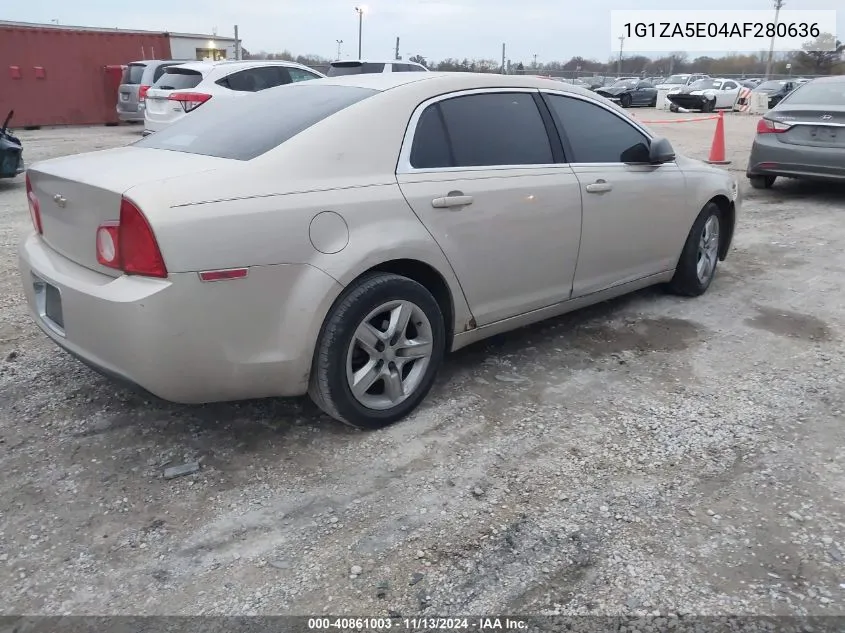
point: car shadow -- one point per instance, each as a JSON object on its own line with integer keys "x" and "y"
{"x": 792, "y": 189}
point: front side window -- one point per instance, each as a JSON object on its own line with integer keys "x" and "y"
{"x": 482, "y": 130}
{"x": 597, "y": 135}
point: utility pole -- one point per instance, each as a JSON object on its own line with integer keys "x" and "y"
{"x": 535, "y": 61}
{"x": 619, "y": 64}
{"x": 504, "y": 71}
{"x": 778, "y": 5}
{"x": 339, "y": 42}
{"x": 360, "y": 12}
{"x": 237, "y": 44}
{"x": 396, "y": 56}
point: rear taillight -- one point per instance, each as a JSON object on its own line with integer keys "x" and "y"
{"x": 767, "y": 126}
{"x": 189, "y": 100}
{"x": 142, "y": 92}
{"x": 34, "y": 207}
{"x": 130, "y": 245}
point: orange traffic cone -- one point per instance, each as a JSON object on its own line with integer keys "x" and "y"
{"x": 717, "y": 149}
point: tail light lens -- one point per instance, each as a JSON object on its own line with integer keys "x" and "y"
{"x": 189, "y": 100}
{"x": 130, "y": 245}
{"x": 142, "y": 93}
{"x": 34, "y": 207}
{"x": 767, "y": 126}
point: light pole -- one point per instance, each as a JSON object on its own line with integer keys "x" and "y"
{"x": 360, "y": 11}
{"x": 619, "y": 64}
{"x": 778, "y": 5}
{"x": 339, "y": 42}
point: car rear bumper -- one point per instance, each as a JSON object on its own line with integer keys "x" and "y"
{"x": 182, "y": 339}
{"x": 130, "y": 113}
{"x": 771, "y": 157}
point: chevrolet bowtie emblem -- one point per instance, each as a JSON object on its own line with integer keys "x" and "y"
{"x": 60, "y": 200}
{"x": 827, "y": 117}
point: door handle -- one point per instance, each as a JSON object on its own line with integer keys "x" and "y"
{"x": 454, "y": 199}
{"x": 599, "y": 186}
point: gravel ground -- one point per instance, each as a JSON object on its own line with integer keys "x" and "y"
{"x": 648, "y": 455}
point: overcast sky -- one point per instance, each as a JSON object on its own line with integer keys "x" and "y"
{"x": 553, "y": 29}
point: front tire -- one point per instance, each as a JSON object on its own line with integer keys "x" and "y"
{"x": 378, "y": 352}
{"x": 761, "y": 182}
{"x": 700, "y": 256}
{"x": 625, "y": 101}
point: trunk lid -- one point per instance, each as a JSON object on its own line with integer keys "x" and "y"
{"x": 812, "y": 126}
{"x": 78, "y": 193}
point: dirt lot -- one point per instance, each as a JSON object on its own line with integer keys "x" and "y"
{"x": 651, "y": 454}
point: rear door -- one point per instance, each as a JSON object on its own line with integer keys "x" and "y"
{"x": 127, "y": 93}
{"x": 645, "y": 93}
{"x": 726, "y": 97}
{"x": 483, "y": 175}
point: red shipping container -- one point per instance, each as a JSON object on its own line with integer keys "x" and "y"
{"x": 63, "y": 72}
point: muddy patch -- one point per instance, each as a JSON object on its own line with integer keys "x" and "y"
{"x": 790, "y": 324}
{"x": 664, "y": 334}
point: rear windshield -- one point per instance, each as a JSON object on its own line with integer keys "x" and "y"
{"x": 245, "y": 128}
{"x": 178, "y": 79}
{"x": 354, "y": 68}
{"x": 818, "y": 93}
{"x": 133, "y": 73}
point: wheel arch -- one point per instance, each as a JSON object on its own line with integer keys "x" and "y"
{"x": 728, "y": 211}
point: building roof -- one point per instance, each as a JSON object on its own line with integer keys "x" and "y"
{"x": 98, "y": 29}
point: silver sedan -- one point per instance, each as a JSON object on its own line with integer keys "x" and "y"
{"x": 337, "y": 237}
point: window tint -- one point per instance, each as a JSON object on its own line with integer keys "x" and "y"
{"x": 245, "y": 128}
{"x": 178, "y": 79}
{"x": 160, "y": 70}
{"x": 415, "y": 68}
{"x": 133, "y": 73}
{"x": 596, "y": 135}
{"x": 431, "y": 145}
{"x": 822, "y": 93}
{"x": 297, "y": 74}
{"x": 729, "y": 85}
{"x": 496, "y": 129}
{"x": 370, "y": 67}
{"x": 256, "y": 79}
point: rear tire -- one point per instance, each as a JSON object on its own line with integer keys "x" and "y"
{"x": 378, "y": 352}
{"x": 761, "y": 182}
{"x": 700, "y": 256}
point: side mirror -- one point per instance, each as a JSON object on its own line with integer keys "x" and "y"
{"x": 660, "y": 151}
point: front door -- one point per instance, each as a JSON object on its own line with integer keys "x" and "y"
{"x": 481, "y": 174}
{"x": 633, "y": 220}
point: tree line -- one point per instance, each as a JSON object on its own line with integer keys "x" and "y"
{"x": 804, "y": 62}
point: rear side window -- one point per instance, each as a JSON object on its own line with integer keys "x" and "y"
{"x": 431, "y": 148}
{"x": 160, "y": 70}
{"x": 256, "y": 79}
{"x": 483, "y": 130}
{"x": 133, "y": 74}
{"x": 178, "y": 79}
{"x": 297, "y": 74}
{"x": 338, "y": 69}
{"x": 595, "y": 134}
{"x": 242, "y": 129}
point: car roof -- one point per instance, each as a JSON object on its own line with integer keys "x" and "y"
{"x": 150, "y": 62}
{"x": 450, "y": 81}
{"x": 242, "y": 63}
{"x": 374, "y": 61}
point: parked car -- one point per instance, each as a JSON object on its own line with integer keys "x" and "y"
{"x": 706, "y": 95}
{"x": 776, "y": 90}
{"x": 184, "y": 88}
{"x": 11, "y": 151}
{"x": 358, "y": 67}
{"x": 335, "y": 236}
{"x": 655, "y": 81}
{"x": 137, "y": 79}
{"x": 803, "y": 136}
{"x": 630, "y": 92}
{"x": 679, "y": 81}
